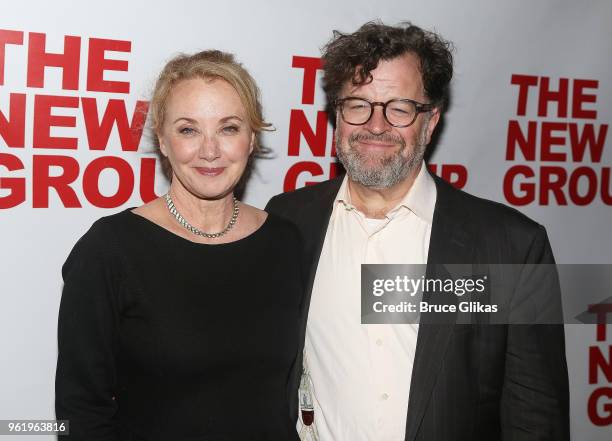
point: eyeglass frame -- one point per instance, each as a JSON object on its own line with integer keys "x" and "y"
{"x": 419, "y": 107}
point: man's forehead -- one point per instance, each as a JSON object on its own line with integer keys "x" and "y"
{"x": 402, "y": 72}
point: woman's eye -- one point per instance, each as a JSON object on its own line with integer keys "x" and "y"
{"x": 231, "y": 129}
{"x": 186, "y": 131}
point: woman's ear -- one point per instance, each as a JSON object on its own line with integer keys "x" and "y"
{"x": 252, "y": 146}
{"x": 162, "y": 146}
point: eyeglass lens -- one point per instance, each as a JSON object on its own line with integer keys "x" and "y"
{"x": 397, "y": 112}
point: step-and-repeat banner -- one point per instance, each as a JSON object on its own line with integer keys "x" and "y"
{"x": 527, "y": 126}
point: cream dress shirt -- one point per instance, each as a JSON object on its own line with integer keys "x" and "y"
{"x": 360, "y": 374}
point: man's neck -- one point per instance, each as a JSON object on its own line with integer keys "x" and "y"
{"x": 375, "y": 203}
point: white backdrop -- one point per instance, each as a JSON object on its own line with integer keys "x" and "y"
{"x": 566, "y": 44}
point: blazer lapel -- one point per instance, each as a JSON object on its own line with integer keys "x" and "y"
{"x": 449, "y": 244}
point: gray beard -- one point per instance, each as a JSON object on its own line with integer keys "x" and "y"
{"x": 380, "y": 171}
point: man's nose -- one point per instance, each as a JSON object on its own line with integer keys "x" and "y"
{"x": 378, "y": 123}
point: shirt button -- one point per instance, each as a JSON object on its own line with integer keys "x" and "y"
{"x": 379, "y": 342}
{"x": 384, "y": 397}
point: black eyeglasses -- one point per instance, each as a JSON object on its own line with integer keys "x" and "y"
{"x": 398, "y": 112}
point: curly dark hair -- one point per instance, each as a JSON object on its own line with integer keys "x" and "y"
{"x": 354, "y": 56}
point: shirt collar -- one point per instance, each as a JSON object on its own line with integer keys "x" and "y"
{"x": 420, "y": 199}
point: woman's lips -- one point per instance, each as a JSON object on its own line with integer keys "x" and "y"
{"x": 210, "y": 171}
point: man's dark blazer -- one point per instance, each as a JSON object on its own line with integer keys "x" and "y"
{"x": 469, "y": 382}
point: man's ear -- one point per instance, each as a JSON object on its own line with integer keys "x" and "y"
{"x": 434, "y": 118}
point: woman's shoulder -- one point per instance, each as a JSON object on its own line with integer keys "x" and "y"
{"x": 97, "y": 246}
{"x": 281, "y": 223}
{"x": 106, "y": 233}
{"x": 284, "y": 230}
{"x": 272, "y": 224}
{"x": 134, "y": 219}
{"x": 109, "y": 226}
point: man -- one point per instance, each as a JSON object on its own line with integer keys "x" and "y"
{"x": 387, "y": 86}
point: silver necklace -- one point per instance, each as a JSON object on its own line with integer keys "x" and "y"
{"x": 181, "y": 220}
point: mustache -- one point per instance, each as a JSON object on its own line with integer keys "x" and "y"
{"x": 383, "y": 138}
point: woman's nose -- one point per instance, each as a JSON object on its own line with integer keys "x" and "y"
{"x": 209, "y": 148}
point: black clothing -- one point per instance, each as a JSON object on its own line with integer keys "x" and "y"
{"x": 469, "y": 382}
{"x": 164, "y": 339}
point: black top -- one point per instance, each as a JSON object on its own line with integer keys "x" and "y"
{"x": 161, "y": 338}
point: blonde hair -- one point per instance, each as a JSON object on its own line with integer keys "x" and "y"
{"x": 210, "y": 64}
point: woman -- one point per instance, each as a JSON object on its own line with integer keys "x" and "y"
{"x": 179, "y": 319}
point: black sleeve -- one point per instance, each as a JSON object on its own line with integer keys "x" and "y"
{"x": 85, "y": 381}
{"x": 535, "y": 398}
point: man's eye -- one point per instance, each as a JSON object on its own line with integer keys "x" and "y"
{"x": 400, "y": 110}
